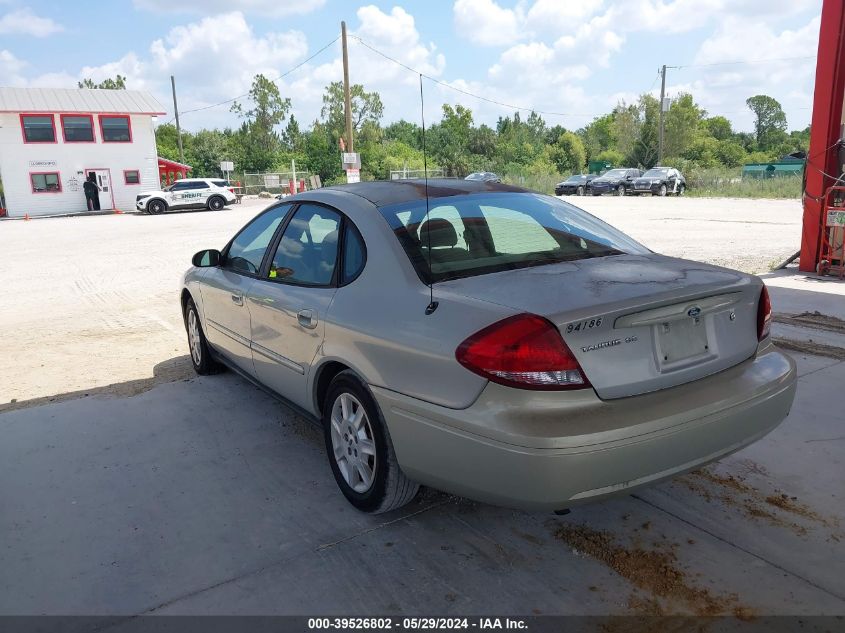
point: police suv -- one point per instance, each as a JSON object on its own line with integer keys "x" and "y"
{"x": 188, "y": 193}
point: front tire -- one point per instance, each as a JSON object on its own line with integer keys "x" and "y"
{"x": 216, "y": 203}
{"x": 359, "y": 449}
{"x": 681, "y": 190}
{"x": 201, "y": 358}
{"x": 156, "y": 207}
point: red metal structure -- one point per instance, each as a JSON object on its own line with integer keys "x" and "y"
{"x": 824, "y": 165}
{"x": 170, "y": 170}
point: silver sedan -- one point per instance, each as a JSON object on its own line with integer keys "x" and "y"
{"x": 487, "y": 341}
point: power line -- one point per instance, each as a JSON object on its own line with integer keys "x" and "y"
{"x": 279, "y": 78}
{"x": 465, "y": 92}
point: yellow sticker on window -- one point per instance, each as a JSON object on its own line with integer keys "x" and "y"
{"x": 272, "y": 273}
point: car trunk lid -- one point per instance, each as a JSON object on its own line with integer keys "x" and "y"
{"x": 636, "y": 323}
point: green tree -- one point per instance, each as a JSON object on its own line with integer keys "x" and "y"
{"x": 322, "y": 152}
{"x": 258, "y": 133}
{"x": 730, "y": 153}
{"x": 166, "y": 141}
{"x": 718, "y": 127}
{"x": 769, "y": 121}
{"x": 405, "y": 132}
{"x": 292, "y": 137}
{"x": 208, "y": 148}
{"x": 366, "y": 106}
{"x": 681, "y": 124}
{"x": 568, "y": 154}
{"x": 598, "y": 136}
{"x": 118, "y": 83}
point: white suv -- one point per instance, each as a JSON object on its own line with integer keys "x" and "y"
{"x": 188, "y": 193}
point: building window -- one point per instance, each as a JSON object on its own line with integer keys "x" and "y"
{"x": 132, "y": 177}
{"x": 115, "y": 128}
{"x": 38, "y": 128}
{"x": 78, "y": 128}
{"x": 46, "y": 182}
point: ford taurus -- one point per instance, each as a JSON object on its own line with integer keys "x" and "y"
{"x": 487, "y": 341}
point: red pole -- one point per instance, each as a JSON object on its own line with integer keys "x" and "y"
{"x": 826, "y": 128}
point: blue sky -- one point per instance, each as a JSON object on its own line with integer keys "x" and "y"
{"x": 572, "y": 59}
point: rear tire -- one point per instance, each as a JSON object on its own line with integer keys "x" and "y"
{"x": 359, "y": 449}
{"x": 156, "y": 207}
{"x": 662, "y": 191}
{"x": 580, "y": 190}
{"x": 216, "y": 203}
{"x": 201, "y": 358}
{"x": 620, "y": 190}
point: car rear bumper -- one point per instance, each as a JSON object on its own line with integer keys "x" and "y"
{"x": 553, "y": 450}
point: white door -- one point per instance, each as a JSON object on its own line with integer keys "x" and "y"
{"x": 106, "y": 193}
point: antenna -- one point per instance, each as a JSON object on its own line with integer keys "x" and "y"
{"x": 432, "y": 306}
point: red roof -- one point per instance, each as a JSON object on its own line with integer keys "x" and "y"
{"x": 172, "y": 164}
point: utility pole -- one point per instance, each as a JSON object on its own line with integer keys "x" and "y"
{"x": 662, "y": 96}
{"x": 176, "y": 112}
{"x": 346, "y": 96}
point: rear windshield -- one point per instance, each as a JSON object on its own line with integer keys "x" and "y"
{"x": 489, "y": 232}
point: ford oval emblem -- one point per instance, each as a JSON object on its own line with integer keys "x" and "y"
{"x": 693, "y": 312}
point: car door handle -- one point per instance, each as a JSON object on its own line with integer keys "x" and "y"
{"x": 238, "y": 300}
{"x": 307, "y": 319}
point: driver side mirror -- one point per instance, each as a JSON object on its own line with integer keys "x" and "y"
{"x": 207, "y": 258}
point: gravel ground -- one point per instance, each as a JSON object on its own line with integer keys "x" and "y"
{"x": 93, "y": 301}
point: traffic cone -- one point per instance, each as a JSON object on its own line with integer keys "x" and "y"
{"x": 26, "y": 217}
{"x": 118, "y": 212}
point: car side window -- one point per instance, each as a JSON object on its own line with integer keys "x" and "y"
{"x": 307, "y": 252}
{"x": 353, "y": 254}
{"x": 200, "y": 185}
{"x": 247, "y": 249}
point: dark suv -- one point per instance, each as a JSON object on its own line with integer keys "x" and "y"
{"x": 617, "y": 181}
{"x": 659, "y": 181}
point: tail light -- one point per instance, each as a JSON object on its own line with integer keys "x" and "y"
{"x": 524, "y": 351}
{"x": 764, "y": 315}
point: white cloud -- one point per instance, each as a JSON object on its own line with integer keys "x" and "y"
{"x": 25, "y": 22}
{"x": 11, "y": 69}
{"x": 485, "y": 22}
{"x": 722, "y": 89}
{"x": 262, "y": 7}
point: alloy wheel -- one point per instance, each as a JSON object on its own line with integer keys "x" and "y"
{"x": 353, "y": 442}
{"x": 194, "y": 337}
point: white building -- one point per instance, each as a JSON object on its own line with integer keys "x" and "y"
{"x": 52, "y": 139}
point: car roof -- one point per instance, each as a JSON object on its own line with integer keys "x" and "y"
{"x": 388, "y": 192}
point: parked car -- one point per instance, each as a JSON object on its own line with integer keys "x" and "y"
{"x": 658, "y": 181}
{"x": 578, "y": 184}
{"x": 488, "y": 341}
{"x": 484, "y": 176}
{"x": 615, "y": 181}
{"x": 187, "y": 193}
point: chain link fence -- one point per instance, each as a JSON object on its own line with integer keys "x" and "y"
{"x": 273, "y": 182}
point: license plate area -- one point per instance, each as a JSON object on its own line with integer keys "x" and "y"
{"x": 679, "y": 342}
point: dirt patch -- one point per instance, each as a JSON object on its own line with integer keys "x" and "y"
{"x": 813, "y": 319}
{"x": 776, "y": 507}
{"x": 656, "y": 572}
{"x": 810, "y": 347}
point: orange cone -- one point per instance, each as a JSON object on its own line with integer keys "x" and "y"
{"x": 118, "y": 211}
{"x": 26, "y": 216}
